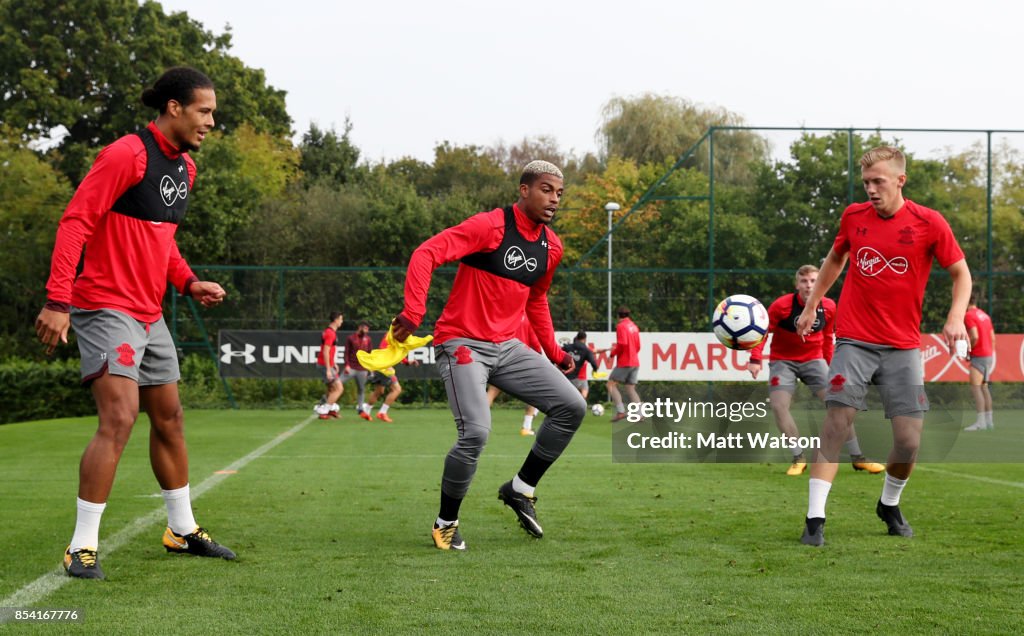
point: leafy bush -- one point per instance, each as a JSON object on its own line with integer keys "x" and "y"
{"x": 41, "y": 390}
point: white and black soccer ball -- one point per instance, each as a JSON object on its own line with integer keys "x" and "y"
{"x": 597, "y": 409}
{"x": 740, "y": 322}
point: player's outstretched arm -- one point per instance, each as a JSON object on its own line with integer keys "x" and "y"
{"x": 954, "y": 328}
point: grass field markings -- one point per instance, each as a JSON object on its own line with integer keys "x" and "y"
{"x": 53, "y": 580}
{"x": 987, "y": 480}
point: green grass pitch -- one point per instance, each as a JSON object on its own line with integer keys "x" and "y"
{"x": 332, "y": 524}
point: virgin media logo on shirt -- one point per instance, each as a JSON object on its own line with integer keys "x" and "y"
{"x": 171, "y": 191}
{"x": 871, "y": 262}
{"x": 516, "y": 258}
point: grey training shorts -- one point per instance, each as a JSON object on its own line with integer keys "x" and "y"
{"x": 329, "y": 374}
{"x": 377, "y": 378}
{"x": 783, "y": 374}
{"x": 114, "y": 342}
{"x": 624, "y": 375}
{"x": 984, "y": 365}
{"x": 897, "y": 373}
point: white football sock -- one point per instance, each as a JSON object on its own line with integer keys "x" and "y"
{"x": 384, "y": 409}
{"x": 892, "y": 489}
{"x": 988, "y": 419}
{"x": 87, "y": 525}
{"x": 441, "y": 523}
{"x": 817, "y": 495}
{"x": 179, "y": 511}
{"x": 528, "y": 422}
{"x": 522, "y": 487}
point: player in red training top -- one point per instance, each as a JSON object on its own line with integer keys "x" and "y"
{"x": 508, "y": 257}
{"x": 125, "y": 214}
{"x": 326, "y": 359}
{"x": 626, "y": 351}
{"x": 801, "y": 358}
{"x": 890, "y": 242}
{"x": 983, "y": 336}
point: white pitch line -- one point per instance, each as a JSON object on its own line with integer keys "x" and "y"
{"x": 52, "y": 581}
{"x": 987, "y": 480}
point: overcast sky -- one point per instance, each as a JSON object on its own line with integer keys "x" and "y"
{"x": 410, "y": 74}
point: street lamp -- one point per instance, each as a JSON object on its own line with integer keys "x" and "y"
{"x": 610, "y": 207}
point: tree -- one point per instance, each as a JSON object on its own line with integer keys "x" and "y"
{"x": 32, "y": 198}
{"x": 468, "y": 170}
{"x": 652, "y": 128}
{"x": 237, "y": 172}
{"x": 82, "y": 66}
{"x": 512, "y": 158}
{"x": 799, "y": 202}
{"x": 653, "y": 239}
{"x": 326, "y": 156}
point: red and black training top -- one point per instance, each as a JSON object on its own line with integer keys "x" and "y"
{"x": 786, "y": 343}
{"x": 125, "y": 214}
{"x": 507, "y": 263}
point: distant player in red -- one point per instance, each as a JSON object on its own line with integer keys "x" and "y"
{"x": 890, "y": 242}
{"x": 125, "y": 214}
{"x": 326, "y": 359}
{"x": 801, "y": 358}
{"x": 983, "y": 336}
{"x": 507, "y": 260}
{"x": 626, "y": 352}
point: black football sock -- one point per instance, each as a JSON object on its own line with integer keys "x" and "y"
{"x": 534, "y": 468}
{"x": 449, "y": 507}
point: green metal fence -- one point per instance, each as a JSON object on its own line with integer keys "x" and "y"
{"x": 686, "y": 242}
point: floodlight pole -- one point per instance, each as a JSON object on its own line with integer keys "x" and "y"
{"x": 610, "y": 207}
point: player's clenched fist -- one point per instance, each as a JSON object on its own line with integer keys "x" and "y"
{"x": 207, "y": 293}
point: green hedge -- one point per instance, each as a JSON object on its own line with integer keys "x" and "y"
{"x": 42, "y": 390}
{"x": 201, "y": 387}
{"x": 32, "y": 390}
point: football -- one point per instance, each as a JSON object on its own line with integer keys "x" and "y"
{"x": 740, "y": 322}
{"x": 597, "y": 410}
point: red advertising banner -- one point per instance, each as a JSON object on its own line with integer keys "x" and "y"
{"x": 1008, "y": 360}
{"x": 700, "y": 357}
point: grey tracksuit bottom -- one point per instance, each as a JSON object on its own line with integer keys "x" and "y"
{"x": 467, "y": 367}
